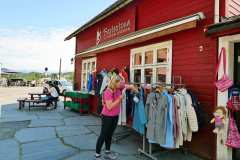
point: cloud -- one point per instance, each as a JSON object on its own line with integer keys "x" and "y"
{"x": 33, "y": 49}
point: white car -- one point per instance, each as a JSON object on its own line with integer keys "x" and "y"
{"x": 63, "y": 85}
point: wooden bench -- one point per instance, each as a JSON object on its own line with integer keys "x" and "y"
{"x": 34, "y": 103}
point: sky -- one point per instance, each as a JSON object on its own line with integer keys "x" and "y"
{"x": 32, "y": 32}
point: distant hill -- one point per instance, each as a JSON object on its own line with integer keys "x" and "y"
{"x": 37, "y": 76}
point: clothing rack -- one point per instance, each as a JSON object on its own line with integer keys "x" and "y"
{"x": 143, "y": 150}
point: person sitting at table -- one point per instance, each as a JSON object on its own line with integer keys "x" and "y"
{"x": 53, "y": 94}
{"x": 45, "y": 88}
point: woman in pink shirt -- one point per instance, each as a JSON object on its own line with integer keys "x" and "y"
{"x": 112, "y": 98}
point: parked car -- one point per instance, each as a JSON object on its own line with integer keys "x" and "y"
{"x": 63, "y": 85}
{"x": 17, "y": 82}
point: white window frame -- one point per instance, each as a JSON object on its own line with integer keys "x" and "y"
{"x": 86, "y": 71}
{"x": 155, "y": 65}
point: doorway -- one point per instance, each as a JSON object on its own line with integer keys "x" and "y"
{"x": 236, "y": 152}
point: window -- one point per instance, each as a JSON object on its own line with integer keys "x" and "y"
{"x": 148, "y": 75}
{"x": 137, "y": 59}
{"x": 162, "y": 55}
{"x": 151, "y": 64}
{"x": 88, "y": 66}
{"x": 161, "y": 74}
{"x": 149, "y": 57}
{"x": 137, "y": 75}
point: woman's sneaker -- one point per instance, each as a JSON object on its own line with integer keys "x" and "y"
{"x": 111, "y": 156}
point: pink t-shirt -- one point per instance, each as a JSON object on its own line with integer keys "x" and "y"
{"x": 108, "y": 95}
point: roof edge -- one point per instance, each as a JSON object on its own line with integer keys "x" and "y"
{"x": 102, "y": 15}
{"x": 226, "y": 24}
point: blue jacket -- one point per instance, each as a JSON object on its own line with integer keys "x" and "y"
{"x": 169, "y": 133}
{"x": 89, "y": 82}
{"x": 139, "y": 118}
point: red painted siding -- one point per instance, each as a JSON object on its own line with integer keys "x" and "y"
{"x": 158, "y": 11}
{"x": 222, "y": 8}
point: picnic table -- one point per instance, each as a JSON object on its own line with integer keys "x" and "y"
{"x": 35, "y": 100}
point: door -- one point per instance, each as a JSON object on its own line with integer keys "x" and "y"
{"x": 236, "y": 152}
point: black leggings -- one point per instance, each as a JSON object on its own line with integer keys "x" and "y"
{"x": 109, "y": 124}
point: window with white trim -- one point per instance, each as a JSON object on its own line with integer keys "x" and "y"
{"x": 152, "y": 64}
{"x": 88, "y": 67}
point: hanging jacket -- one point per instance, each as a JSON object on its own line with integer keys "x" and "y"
{"x": 169, "y": 132}
{"x": 129, "y": 103}
{"x": 156, "y": 110}
{"x": 191, "y": 113}
{"x": 179, "y": 136}
{"x": 201, "y": 115}
{"x": 175, "y": 119}
{"x": 188, "y": 103}
{"x": 90, "y": 82}
{"x": 139, "y": 119}
{"x": 182, "y": 114}
{"x": 106, "y": 79}
{"x": 98, "y": 84}
{"x": 122, "y": 118}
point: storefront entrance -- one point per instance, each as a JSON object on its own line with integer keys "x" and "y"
{"x": 232, "y": 45}
{"x": 236, "y": 152}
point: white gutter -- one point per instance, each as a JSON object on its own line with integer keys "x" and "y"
{"x": 145, "y": 32}
{"x": 216, "y": 11}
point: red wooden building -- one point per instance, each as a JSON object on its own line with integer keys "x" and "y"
{"x": 160, "y": 39}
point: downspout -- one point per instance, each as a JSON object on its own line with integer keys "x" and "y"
{"x": 216, "y": 11}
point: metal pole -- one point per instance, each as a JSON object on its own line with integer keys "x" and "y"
{"x": 60, "y": 67}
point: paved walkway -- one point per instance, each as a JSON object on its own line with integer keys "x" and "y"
{"x": 61, "y": 134}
